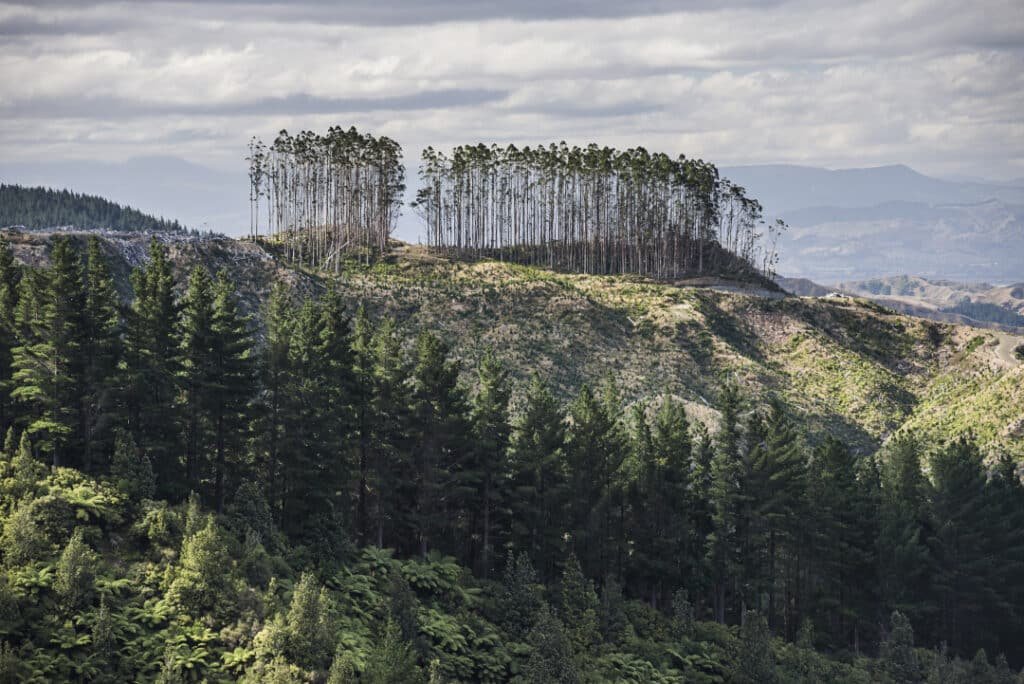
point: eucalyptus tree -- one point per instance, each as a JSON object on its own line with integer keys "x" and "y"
{"x": 327, "y": 194}
{"x": 593, "y": 209}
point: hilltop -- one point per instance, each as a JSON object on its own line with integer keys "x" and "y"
{"x": 41, "y": 207}
{"x": 846, "y": 365}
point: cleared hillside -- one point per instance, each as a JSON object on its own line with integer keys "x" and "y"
{"x": 847, "y": 365}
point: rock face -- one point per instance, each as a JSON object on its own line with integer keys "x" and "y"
{"x": 846, "y": 365}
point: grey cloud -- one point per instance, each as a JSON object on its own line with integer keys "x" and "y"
{"x": 300, "y": 104}
{"x": 410, "y": 12}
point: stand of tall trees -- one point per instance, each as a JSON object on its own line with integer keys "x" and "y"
{"x": 592, "y": 210}
{"x": 339, "y": 429}
{"x": 324, "y": 195}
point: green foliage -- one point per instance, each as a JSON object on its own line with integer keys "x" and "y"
{"x": 392, "y": 660}
{"x": 131, "y": 469}
{"x": 202, "y": 580}
{"x": 521, "y": 598}
{"x": 76, "y": 570}
{"x": 756, "y": 660}
{"x": 551, "y": 658}
{"x": 22, "y": 539}
{"x": 897, "y": 655}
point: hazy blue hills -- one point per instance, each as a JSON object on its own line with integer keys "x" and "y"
{"x": 855, "y": 224}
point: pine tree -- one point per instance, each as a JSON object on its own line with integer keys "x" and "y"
{"x": 271, "y": 410}
{"x": 101, "y": 353}
{"x": 441, "y": 434}
{"x": 10, "y": 277}
{"x": 197, "y": 373}
{"x": 726, "y": 481}
{"x": 844, "y": 508}
{"x": 75, "y": 572}
{"x": 130, "y": 468}
{"x": 230, "y": 385}
{"x": 390, "y": 409}
{"x": 362, "y": 417}
{"x": 48, "y": 370}
{"x": 967, "y": 572}
{"x": 538, "y": 478}
{"x": 151, "y": 357}
{"x": 756, "y": 661}
{"x": 897, "y": 655}
{"x": 905, "y": 563}
{"x": 483, "y": 479}
{"x": 551, "y": 657}
{"x": 594, "y": 453}
{"x": 578, "y": 607}
{"x": 776, "y": 485}
{"x": 521, "y": 597}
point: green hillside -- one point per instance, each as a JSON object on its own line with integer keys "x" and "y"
{"x": 219, "y": 467}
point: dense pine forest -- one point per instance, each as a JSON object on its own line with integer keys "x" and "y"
{"x": 188, "y": 494}
{"x": 47, "y": 208}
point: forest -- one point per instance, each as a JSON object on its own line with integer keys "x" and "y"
{"x": 590, "y": 210}
{"x": 326, "y": 195}
{"x": 331, "y": 499}
{"x": 48, "y": 208}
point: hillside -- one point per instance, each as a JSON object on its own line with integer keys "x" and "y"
{"x": 978, "y": 303}
{"x": 847, "y": 365}
{"x": 855, "y": 224}
{"x": 39, "y": 207}
{"x": 462, "y": 471}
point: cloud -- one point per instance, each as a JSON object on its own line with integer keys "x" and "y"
{"x": 936, "y": 84}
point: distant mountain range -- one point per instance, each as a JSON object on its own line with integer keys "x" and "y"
{"x": 856, "y": 224}
{"x": 849, "y": 224}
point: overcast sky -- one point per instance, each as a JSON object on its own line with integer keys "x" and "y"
{"x": 934, "y": 84}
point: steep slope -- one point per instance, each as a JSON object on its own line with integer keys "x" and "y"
{"x": 846, "y": 365}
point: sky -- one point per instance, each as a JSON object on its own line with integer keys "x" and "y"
{"x": 934, "y": 84}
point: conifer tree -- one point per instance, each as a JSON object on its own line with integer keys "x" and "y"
{"x": 197, "y": 373}
{"x": 10, "y": 276}
{"x": 48, "y": 370}
{"x": 538, "y": 478}
{"x": 756, "y": 661}
{"x": 75, "y": 572}
{"x": 130, "y": 468}
{"x": 151, "y": 357}
{"x": 905, "y": 563}
{"x": 726, "y": 481}
{"x": 101, "y": 353}
{"x": 897, "y": 655}
{"x": 967, "y": 584}
{"x": 521, "y": 597}
{"x": 844, "y": 510}
{"x": 483, "y": 477}
{"x": 578, "y": 607}
{"x": 390, "y": 408}
{"x": 551, "y": 658}
{"x": 272, "y": 405}
{"x": 441, "y": 433}
{"x": 230, "y": 385}
{"x": 363, "y": 424}
{"x": 594, "y": 453}
{"x": 776, "y": 485}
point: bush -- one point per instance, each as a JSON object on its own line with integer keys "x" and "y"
{"x": 75, "y": 572}
{"x": 22, "y": 540}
